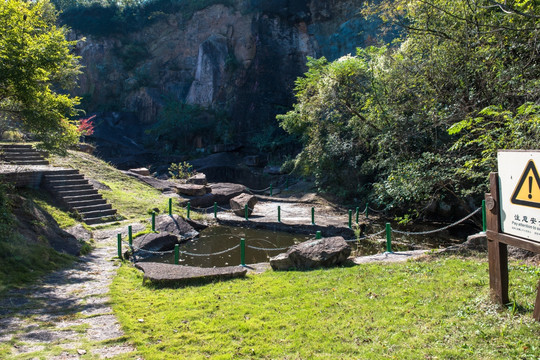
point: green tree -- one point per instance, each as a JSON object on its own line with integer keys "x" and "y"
{"x": 36, "y": 63}
{"x": 430, "y": 109}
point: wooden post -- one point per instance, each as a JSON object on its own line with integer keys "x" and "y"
{"x": 536, "y": 313}
{"x": 497, "y": 251}
{"x": 498, "y": 248}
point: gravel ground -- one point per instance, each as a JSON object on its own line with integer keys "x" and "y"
{"x": 67, "y": 315}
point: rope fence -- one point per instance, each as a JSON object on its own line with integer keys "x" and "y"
{"x": 242, "y": 245}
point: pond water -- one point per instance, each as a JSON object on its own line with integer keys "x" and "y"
{"x": 216, "y": 239}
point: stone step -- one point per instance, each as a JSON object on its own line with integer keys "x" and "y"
{"x": 76, "y": 187}
{"x": 97, "y": 220}
{"x": 91, "y": 202}
{"x": 60, "y": 172}
{"x": 66, "y": 182}
{"x": 16, "y": 146}
{"x": 92, "y": 208}
{"x": 97, "y": 214}
{"x": 63, "y": 176}
{"x": 28, "y": 162}
{"x": 65, "y": 194}
{"x": 19, "y": 156}
{"x": 74, "y": 199}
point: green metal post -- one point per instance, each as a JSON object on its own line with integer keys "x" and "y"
{"x": 130, "y": 235}
{"x": 246, "y": 212}
{"x": 176, "y": 254}
{"x": 170, "y": 206}
{"x": 350, "y": 218}
{"x": 279, "y": 214}
{"x": 215, "y": 210}
{"x": 120, "y": 246}
{"x": 484, "y": 224}
{"x": 367, "y": 210}
{"x": 271, "y": 192}
{"x": 357, "y": 213}
{"x": 243, "y": 252}
{"x": 318, "y": 235}
{"x": 388, "y": 238}
{"x": 312, "y": 216}
{"x": 287, "y": 184}
{"x": 153, "y": 221}
{"x": 188, "y": 209}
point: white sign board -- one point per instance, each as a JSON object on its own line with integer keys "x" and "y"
{"x": 519, "y": 191}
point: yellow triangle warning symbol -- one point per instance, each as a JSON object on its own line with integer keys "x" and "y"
{"x": 527, "y": 192}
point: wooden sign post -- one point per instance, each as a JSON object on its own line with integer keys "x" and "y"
{"x": 513, "y": 217}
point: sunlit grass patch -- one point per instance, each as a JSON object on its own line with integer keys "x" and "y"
{"x": 433, "y": 309}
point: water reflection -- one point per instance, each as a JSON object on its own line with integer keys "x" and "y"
{"x": 218, "y": 239}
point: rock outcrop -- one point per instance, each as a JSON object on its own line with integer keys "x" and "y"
{"x": 238, "y": 204}
{"x": 241, "y": 58}
{"x": 155, "y": 242}
{"x": 175, "y": 225}
{"x": 313, "y": 254}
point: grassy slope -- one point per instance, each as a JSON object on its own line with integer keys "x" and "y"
{"x": 23, "y": 260}
{"x": 415, "y": 310}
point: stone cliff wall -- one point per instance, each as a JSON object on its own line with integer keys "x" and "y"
{"x": 242, "y": 59}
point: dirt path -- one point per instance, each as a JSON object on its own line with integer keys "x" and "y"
{"x": 67, "y": 315}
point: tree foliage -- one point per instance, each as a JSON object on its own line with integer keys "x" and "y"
{"x": 419, "y": 121}
{"x": 35, "y": 62}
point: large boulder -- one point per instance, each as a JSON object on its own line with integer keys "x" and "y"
{"x": 191, "y": 189}
{"x": 312, "y": 254}
{"x": 204, "y": 201}
{"x": 197, "y": 179}
{"x": 239, "y": 203}
{"x": 155, "y": 242}
{"x": 175, "y": 225}
{"x": 223, "y": 192}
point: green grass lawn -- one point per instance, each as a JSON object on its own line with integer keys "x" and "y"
{"x": 435, "y": 309}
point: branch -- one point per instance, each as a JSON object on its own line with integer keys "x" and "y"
{"x": 362, "y": 117}
{"x": 509, "y": 10}
{"x": 427, "y": 30}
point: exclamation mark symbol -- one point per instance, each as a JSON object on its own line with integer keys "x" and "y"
{"x": 530, "y": 187}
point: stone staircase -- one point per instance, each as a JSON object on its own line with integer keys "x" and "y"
{"x": 67, "y": 185}
{"x": 79, "y": 195}
{"x": 22, "y": 154}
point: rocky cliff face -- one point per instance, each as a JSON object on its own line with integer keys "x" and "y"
{"x": 242, "y": 60}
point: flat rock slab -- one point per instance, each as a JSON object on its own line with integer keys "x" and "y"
{"x": 390, "y": 257}
{"x": 179, "y": 274}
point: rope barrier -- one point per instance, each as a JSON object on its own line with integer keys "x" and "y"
{"x": 259, "y": 191}
{"x": 153, "y": 252}
{"x": 211, "y": 254}
{"x": 441, "y": 229}
{"x": 242, "y": 244}
{"x": 375, "y": 211}
{"x": 267, "y": 249}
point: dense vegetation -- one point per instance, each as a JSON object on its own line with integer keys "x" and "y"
{"x": 35, "y": 64}
{"x": 419, "y": 121}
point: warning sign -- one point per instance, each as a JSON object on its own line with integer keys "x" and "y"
{"x": 527, "y": 192}
{"x": 519, "y": 191}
